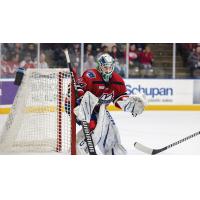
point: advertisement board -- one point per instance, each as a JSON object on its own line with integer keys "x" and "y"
{"x": 162, "y": 94}
{"x": 196, "y": 92}
{"x": 162, "y": 91}
{"x": 7, "y": 92}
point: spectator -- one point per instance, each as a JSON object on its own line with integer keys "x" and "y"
{"x": 58, "y": 58}
{"x": 140, "y": 46}
{"x": 27, "y": 62}
{"x": 15, "y": 58}
{"x": 43, "y": 63}
{"x": 75, "y": 55}
{"x": 109, "y": 46}
{"x": 146, "y": 58}
{"x": 9, "y": 67}
{"x": 104, "y": 50}
{"x": 88, "y": 51}
{"x": 184, "y": 49}
{"x": 18, "y": 48}
{"x": 11, "y": 48}
{"x": 90, "y": 63}
{"x": 31, "y": 48}
{"x": 194, "y": 63}
{"x": 96, "y": 47}
{"x": 146, "y": 61}
{"x": 115, "y": 53}
{"x": 132, "y": 56}
{"x": 119, "y": 68}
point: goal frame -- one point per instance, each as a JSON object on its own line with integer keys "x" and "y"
{"x": 61, "y": 131}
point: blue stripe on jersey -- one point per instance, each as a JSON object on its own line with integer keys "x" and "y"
{"x": 104, "y": 143}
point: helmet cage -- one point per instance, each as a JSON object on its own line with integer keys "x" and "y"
{"x": 103, "y": 62}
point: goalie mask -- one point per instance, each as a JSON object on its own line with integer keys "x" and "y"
{"x": 105, "y": 66}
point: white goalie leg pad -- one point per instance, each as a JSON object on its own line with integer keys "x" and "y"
{"x": 81, "y": 148}
{"x": 85, "y": 109}
{"x": 81, "y": 145}
{"x": 106, "y": 135}
{"x": 118, "y": 149}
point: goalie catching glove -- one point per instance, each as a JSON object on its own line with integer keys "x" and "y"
{"x": 134, "y": 104}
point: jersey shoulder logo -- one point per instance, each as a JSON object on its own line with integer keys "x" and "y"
{"x": 81, "y": 83}
{"x": 90, "y": 74}
{"x": 106, "y": 98}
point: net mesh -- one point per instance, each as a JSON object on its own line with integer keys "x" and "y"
{"x": 38, "y": 121}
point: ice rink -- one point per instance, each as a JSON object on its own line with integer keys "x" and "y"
{"x": 156, "y": 129}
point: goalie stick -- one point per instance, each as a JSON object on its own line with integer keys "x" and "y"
{"x": 86, "y": 131}
{"x": 148, "y": 150}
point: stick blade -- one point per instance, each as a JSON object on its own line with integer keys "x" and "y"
{"x": 143, "y": 148}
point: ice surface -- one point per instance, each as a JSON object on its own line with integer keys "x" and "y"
{"x": 156, "y": 129}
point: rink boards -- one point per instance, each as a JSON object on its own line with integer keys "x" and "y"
{"x": 162, "y": 94}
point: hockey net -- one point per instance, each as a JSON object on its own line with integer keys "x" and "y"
{"x": 41, "y": 117}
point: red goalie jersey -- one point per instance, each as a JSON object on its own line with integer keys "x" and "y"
{"x": 107, "y": 92}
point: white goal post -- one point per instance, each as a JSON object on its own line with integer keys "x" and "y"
{"x": 38, "y": 121}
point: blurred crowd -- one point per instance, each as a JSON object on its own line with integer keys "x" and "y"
{"x": 190, "y": 54}
{"x": 138, "y": 56}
